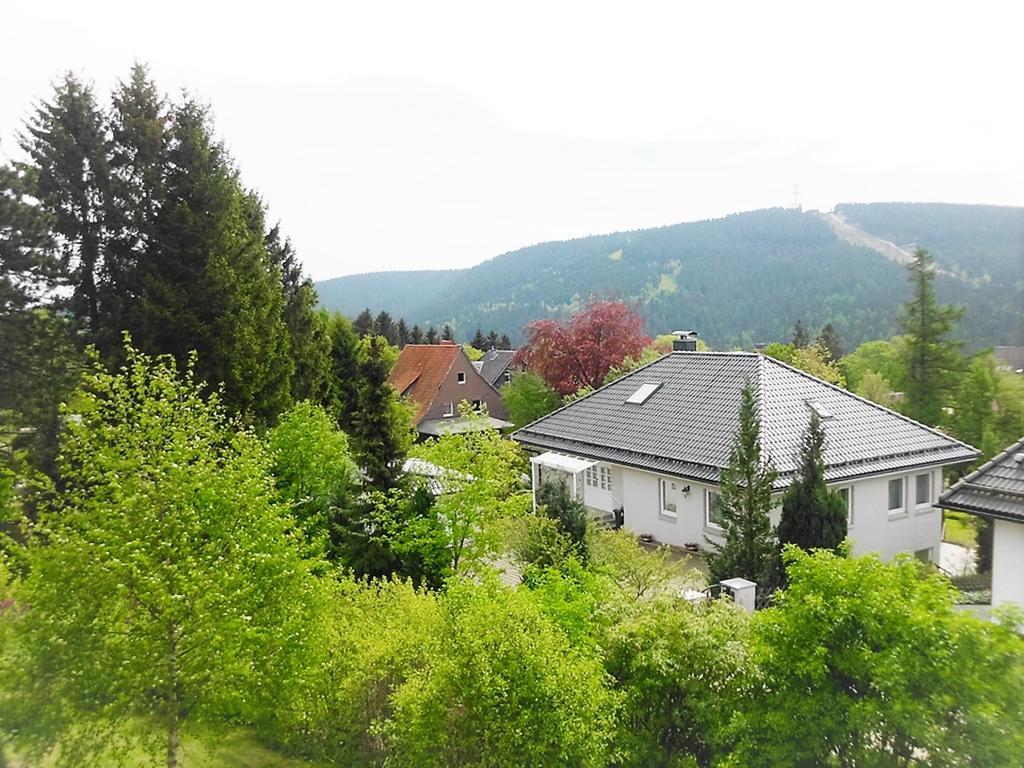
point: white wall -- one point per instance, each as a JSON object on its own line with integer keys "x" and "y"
{"x": 874, "y": 529}
{"x": 1008, "y": 563}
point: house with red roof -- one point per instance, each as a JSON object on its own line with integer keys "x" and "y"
{"x": 435, "y": 379}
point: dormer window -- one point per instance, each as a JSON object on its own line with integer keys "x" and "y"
{"x": 461, "y": 377}
{"x": 643, "y": 392}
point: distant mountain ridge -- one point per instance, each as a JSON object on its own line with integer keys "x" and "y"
{"x": 738, "y": 280}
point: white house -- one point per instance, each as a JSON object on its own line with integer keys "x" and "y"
{"x": 650, "y": 445}
{"x": 996, "y": 490}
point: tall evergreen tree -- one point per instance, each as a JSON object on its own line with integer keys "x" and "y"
{"x": 403, "y": 332}
{"x": 828, "y": 340}
{"x": 363, "y": 324}
{"x": 209, "y": 283}
{"x": 416, "y": 335}
{"x": 431, "y": 337}
{"x": 385, "y": 326}
{"x": 381, "y": 427}
{"x": 744, "y": 502}
{"x": 68, "y": 142}
{"x": 309, "y": 340}
{"x": 813, "y": 517}
{"x": 933, "y": 357}
{"x": 479, "y": 341}
{"x": 447, "y": 334}
{"x": 492, "y": 339}
{"x": 801, "y": 338}
{"x": 504, "y": 342}
{"x": 344, "y": 379}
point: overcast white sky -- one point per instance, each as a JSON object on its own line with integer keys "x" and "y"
{"x": 391, "y": 135}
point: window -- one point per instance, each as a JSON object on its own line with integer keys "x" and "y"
{"x": 592, "y": 477}
{"x": 896, "y": 495}
{"x": 449, "y": 409}
{"x": 924, "y": 489}
{"x": 462, "y": 377}
{"x": 478, "y": 405}
{"x": 668, "y": 502}
{"x": 508, "y": 376}
{"x": 643, "y": 392}
{"x": 712, "y": 510}
{"x": 606, "y": 478}
{"x": 819, "y": 408}
{"x": 847, "y": 494}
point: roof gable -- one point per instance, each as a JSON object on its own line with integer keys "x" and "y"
{"x": 686, "y": 425}
{"x": 494, "y": 363}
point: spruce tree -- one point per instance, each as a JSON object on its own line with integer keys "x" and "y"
{"x": 828, "y": 340}
{"x": 381, "y": 427}
{"x": 813, "y": 517}
{"x": 416, "y": 335}
{"x": 504, "y": 342}
{"x": 479, "y": 341}
{"x": 343, "y": 398}
{"x": 801, "y": 338}
{"x": 492, "y": 339}
{"x": 385, "y": 326}
{"x": 744, "y": 503}
{"x": 431, "y": 337}
{"x": 447, "y": 334}
{"x": 363, "y": 324}
{"x": 933, "y": 358}
{"x": 403, "y": 332}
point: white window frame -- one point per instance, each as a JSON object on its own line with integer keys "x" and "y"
{"x": 605, "y": 478}
{"x": 461, "y": 377}
{"x": 449, "y": 409}
{"x": 849, "y": 503}
{"x": 591, "y": 476}
{"x": 708, "y": 522}
{"x": 927, "y": 502}
{"x": 663, "y": 491}
{"x": 902, "y": 508}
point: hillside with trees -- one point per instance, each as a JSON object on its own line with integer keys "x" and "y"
{"x": 739, "y": 280}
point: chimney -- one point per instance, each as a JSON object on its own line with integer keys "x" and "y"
{"x": 684, "y": 341}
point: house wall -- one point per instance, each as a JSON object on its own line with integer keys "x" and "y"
{"x": 1007, "y": 563}
{"x": 914, "y": 529}
{"x": 475, "y": 388}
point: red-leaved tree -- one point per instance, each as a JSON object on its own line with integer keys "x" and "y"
{"x": 581, "y": 353}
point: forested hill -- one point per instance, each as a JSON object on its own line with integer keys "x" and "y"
{"x": 739, "y": 280}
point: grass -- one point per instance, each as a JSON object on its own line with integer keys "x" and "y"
{"x": 957, "y": 529}
{"x": 237, "y": 749}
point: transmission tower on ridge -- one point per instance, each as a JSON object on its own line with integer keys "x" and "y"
{"x": 796, "y": 196}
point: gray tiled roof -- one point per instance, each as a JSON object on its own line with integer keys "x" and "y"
{"x": 494, "y": 362}
{"x": 995, "y": 488}
{"x": 686, "y": 427}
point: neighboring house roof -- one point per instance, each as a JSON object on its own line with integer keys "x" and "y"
{"x": 494, "y": 363}
{"x": 684, "y": 426}
{"x": 996, "y": 488}
{"x": 419, "y": 372}
{"x": 1010, "y": 357}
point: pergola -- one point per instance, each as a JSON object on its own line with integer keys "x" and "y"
{"x": 560, "y": 462}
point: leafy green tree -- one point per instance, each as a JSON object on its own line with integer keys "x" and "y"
{"x": 813, "y": 517}
{"x": 314, "y": 471}
{"x": 528, "y": 397}
{"x": 885, "y": 358}
{"x": 501, "y": 687}
{"x": 989, "y": 407}
{"x": 875, "y": 388}
{"x": 811, "y": 358}
{"x": 744, "y": 503}
{"x": 381, "y": 427}
{"x": 682, "y": 672}
{"x": 637, "y": 572}
{"x": 557, "y": 502}
{"x": 165, "y": 581}
{"x": 865, "y": 663}
{"x": 481, "y": 485}
{"x": 933, "y": 357}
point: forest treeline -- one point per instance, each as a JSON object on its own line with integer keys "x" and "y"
{"x": 739, "y": 280}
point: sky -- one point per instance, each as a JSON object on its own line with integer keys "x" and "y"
{"x": 426, "y": 135}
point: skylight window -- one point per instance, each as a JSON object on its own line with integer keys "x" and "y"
{"x": 643, "y": 392}
{"x": 819, "y": 408}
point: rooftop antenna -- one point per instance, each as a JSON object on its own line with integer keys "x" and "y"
{"x": 796, "y": 196}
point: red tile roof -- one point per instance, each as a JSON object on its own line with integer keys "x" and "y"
{"x": 419, "y": 373}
